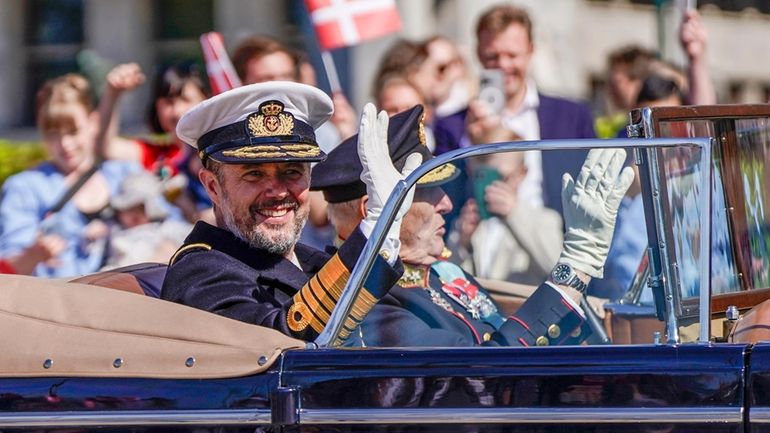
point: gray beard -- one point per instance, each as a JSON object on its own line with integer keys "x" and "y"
{"x": 280, "y": 245}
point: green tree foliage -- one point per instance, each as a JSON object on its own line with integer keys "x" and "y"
{"x": 18, "y": 156}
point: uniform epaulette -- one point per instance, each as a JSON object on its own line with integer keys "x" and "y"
{"x": 414, "y": 276}
{"x": 188, "y": 248}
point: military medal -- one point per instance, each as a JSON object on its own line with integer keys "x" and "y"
{"x": 466, "y": 294}
{"x": 417, "y": 276}
{"x": 461, "y": 290}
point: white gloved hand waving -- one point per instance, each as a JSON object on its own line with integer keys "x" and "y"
{"x": 379, "y": 174}
{"x": 591, "y": 207}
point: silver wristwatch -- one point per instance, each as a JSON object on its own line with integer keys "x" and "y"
{"x": 563, "y": 274}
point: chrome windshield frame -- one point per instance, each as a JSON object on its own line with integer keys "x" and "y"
{"x": 366, "y": 260}
{"x": 668, "y": 255}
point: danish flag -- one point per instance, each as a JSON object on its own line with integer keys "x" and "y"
{"x": 341, "y": 23}
{"x": 220, "y": 70}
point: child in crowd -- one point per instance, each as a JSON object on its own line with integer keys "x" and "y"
{"x": 143, "y": 232}
{"x": 28, "y": 208}
{"x": 176, "y": 89}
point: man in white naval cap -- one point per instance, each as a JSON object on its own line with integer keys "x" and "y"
{"x": 256, "y": 143}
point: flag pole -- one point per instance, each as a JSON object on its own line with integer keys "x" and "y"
{"x": 331, "y": 71}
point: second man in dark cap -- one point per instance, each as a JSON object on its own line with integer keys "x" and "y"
{"x": 453, "y": 309}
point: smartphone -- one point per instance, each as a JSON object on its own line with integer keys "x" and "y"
{"x": 483, "y": 176}
{"x": 492, "y": 89}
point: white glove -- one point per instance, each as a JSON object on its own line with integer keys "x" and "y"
{"x": 379, "y": 174}
{"x": 591, "y": 207}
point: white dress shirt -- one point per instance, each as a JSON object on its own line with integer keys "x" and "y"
{"x": 526, "y": 125}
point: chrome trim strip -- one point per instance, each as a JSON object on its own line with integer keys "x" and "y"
{"x": 669, "y": 279}
{"x": 328, "y": 336}
{"x": 759, "y": 415}
{"x": 133, "y": 418}
{"x": 605, "y": 415}
{"x": 705, "y": 246}
{"x": 388, "y": 416}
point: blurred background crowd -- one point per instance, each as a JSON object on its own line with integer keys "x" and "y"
{"x": 106, "y": 81}
{"x": 40, "y": 39}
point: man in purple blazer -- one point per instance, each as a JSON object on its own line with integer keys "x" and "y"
{"x": 504, "y": 36}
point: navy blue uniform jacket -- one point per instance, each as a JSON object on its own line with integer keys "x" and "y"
{"x": 409, "y": 316}
{"x": 215, "y": 271}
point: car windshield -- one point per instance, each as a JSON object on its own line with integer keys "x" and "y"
{"x": 483, "y": 234}
{"x": 739, "y": 197}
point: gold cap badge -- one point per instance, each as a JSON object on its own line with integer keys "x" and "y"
{"x": 271, "y": 120}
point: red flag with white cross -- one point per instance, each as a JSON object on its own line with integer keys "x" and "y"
{"x": 222, "y": 75}
{"x": 341, "y": 23}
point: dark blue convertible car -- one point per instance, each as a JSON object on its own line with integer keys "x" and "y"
{"x": 682, "y": 351}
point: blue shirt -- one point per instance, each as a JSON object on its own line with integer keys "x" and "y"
{"x": 25, "y": 199}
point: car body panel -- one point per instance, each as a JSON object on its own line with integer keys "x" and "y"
{"x": 70, "y": 402}
{"x": 521, "y": 387}
{"x": 758, "y": 388}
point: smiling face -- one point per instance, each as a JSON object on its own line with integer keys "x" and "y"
{"x": 265, "y": 205}
{"x": 510, "y": 51}
{"x": 422, "y": 230}
{"x": 449, "y": 67}
{"x": 170, "y": 109}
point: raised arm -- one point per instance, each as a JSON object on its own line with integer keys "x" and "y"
{"x": 109, "y": 145}
{"x": 694, "y": 37}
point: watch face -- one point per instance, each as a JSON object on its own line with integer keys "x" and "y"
{"x": 561, "y": 273}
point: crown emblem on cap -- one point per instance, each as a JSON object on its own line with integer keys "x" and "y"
{"x": 270, "y": 120}
{"x": 271, "y": 108}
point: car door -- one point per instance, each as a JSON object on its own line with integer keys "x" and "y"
{"x": 636, "y": 388}
{"x": 625, "y": 387}
{"x": 758, "y": 388}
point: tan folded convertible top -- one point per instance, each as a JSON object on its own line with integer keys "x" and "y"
{"x": 55, "y": 328}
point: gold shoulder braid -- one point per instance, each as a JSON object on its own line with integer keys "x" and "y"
{"x": 189, "y": 247}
